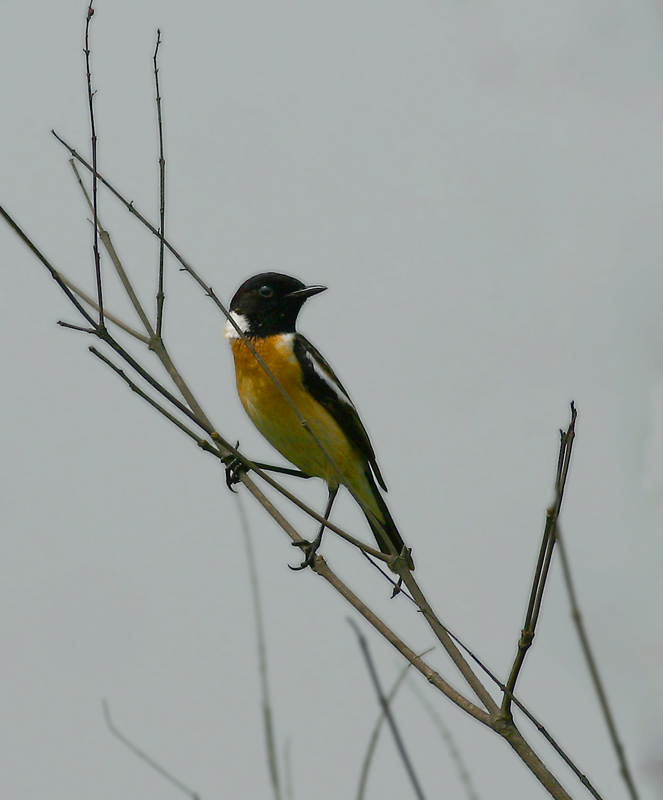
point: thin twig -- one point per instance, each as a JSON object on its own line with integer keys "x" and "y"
{"x": 93, "y": 142}
{"x": 162, "y": 190}
{"x": 447, "y": 736}
{"x": 144, "y": 757}
{"x": 321, "y": 567}
{"x": 107, "y": 315}
{"x": 544, "y": 561}
{"x": 594, "y": 672}
{"x": 103, "y": 333}
{"x": 170, "y": 417}
{"x": 104, "y": 235}
{"x": 400, "y": 745}
{"x": 53, "y": 272}
{"x": 445, "y": 640}
{"x": 199, "y": 418}
{"x": 80, "y": 328}
{"x": 397, "y": 589}
{"x": 540, "y": 728}
{"x": 375, "y": 735}
{"x": 156, "y": 344}
{"x": 268, "y": 721}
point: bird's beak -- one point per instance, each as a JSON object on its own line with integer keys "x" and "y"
{"x": 306, "y": 292}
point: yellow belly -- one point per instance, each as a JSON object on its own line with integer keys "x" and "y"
{"x": 275, "y": 419}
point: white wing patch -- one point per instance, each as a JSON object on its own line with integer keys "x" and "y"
{"x": 242, "y": 324}
{"x": 327, "y": 378}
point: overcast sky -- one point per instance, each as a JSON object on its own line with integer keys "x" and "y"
{"x": 480, "y": 187}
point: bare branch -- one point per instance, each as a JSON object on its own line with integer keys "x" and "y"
{"x": 540, "y": 728}
{"x": 144, "y": 757}
{"x": 107, "y": 315}
{"x": 155, "y": 343}
{"x": 375, "y": 735}
{"x": 447, "y": 736}
{"x": 110, "y": 249}
{"x": 270, "y": 736}
{"x": 53, "y": 272}
{"x": 500, "y": 723}
{"x": 170, "y": 417}
{"x": 93, "y": 142}
{"x": 594, "y": 672}
{"x": 445, "y": 640}
{"x": 544, "y": 561}
{"x": 386, "y": 709}
{"x": 162, "y": 190}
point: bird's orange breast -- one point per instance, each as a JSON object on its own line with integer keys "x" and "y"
{"x": 271, "y": 413}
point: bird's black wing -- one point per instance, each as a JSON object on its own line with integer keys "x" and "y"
{"x": 322, "y": 383}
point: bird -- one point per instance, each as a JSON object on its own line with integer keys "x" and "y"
{"x": 265, "y": 309}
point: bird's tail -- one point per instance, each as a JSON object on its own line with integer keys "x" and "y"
{"x": 383, "y": 525}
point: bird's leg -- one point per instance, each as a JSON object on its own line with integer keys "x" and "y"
{"x": 234, "y": 469}
{"x": 296, "y": 473}
{"x": 310, "y": 548}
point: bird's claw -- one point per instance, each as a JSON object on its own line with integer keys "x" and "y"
{"x": 234, "y": 470}
{"x": 310, "y": 549}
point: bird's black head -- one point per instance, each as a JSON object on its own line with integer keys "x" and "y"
{"x": 268, "y": 303}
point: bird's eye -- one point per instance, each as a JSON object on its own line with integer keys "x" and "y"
{"x": 265, "y": 291}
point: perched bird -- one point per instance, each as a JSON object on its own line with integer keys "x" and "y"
{"x": 265, "y": 309}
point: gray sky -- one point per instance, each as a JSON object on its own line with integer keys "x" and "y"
{"x": 479, "y": 185}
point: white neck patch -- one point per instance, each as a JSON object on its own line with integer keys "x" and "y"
{"x": 242, "y": 323}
